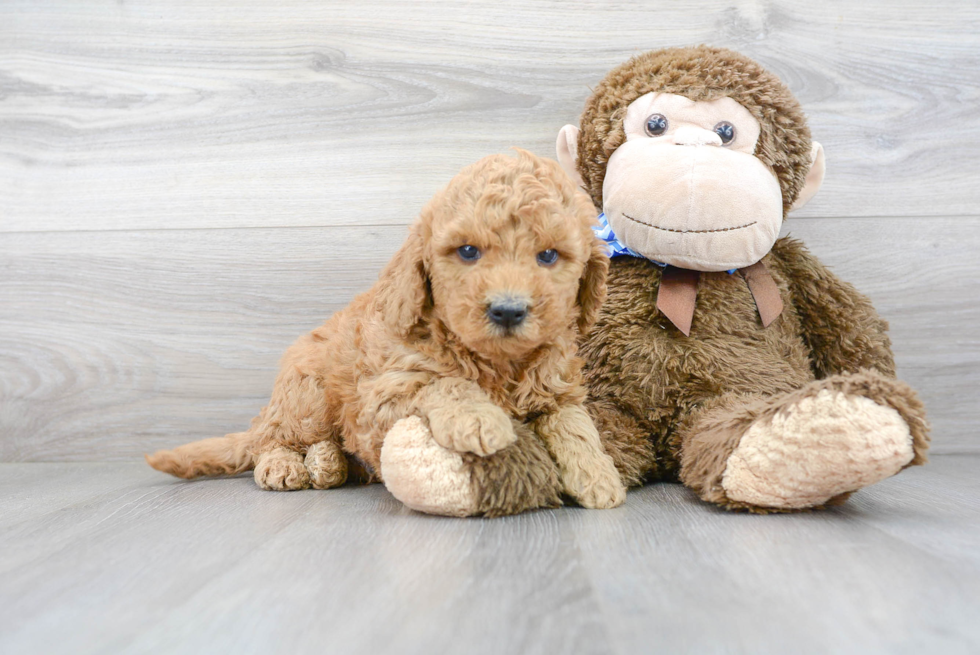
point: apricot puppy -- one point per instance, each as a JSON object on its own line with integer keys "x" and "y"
{"x": 469, "y": 335}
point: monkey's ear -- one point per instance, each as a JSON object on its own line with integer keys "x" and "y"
{"x": 404, "y": 295}
{"x": 567, "y": 147}
{"x": 814, "y": 178}
{"x": 592, "y": 287}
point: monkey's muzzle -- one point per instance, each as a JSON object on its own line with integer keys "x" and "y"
{"x": 700, "y": 207}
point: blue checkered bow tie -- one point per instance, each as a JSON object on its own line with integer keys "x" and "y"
{"x": 617, "y": 248}
{"x": 614, "y": 246}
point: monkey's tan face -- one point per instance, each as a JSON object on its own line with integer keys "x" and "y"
{"x": 686, "y": 188}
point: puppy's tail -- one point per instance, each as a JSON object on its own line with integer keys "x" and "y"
{"x": 226, "y": 455}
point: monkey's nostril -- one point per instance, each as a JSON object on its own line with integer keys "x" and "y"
{"x": 507, "y": 315}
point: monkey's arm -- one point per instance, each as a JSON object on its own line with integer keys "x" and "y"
{"x": 840, "y": 326}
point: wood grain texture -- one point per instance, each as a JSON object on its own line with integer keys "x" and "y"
{"x": 107, "y": 338}
{"x": 123, "y": 559}
{"x": 117, "y": 343}
{"x": 136, "y": 115}
{"x": 186, "y": 188}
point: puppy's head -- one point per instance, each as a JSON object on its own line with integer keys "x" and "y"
{"x": 504, "y": 256}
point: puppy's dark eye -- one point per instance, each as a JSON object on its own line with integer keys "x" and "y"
{"x": 548, "y": 257}
{"x": 468, "y": 253}
{"x": 726, "y": 131}
{"x": 656, "y": 125}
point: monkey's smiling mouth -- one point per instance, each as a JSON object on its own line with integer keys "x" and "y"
{"x": 668, "y": 229}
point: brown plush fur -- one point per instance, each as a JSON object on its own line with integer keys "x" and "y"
{"x": 652, "y": 390}
{"x": 667, "y": 405}
{"x": 500, "y": 491}
{"x": 419, "y": 343}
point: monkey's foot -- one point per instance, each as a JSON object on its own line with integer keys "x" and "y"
{"x": 817, "y": 448}
{"x": 281, "y": 469}
{"x": 423, "y": 475}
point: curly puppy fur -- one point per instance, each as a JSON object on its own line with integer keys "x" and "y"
{"x": 420, "y": 343}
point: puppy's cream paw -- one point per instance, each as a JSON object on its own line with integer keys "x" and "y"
{"x": 281, "y": 469}
{"x": 604, "y": 495}
{"x": 327, "y": 465}
{"x": 422, "y": 474}
{"x": 816, "y": 449}
{"x": 481, "y": 428}
{"x": 597, "y": 490}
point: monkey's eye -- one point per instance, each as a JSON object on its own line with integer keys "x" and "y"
{"x": 468, "y": 253}
{"x": 547, "y": 257}
{"x": 726, "y": 131}
{"x": 656, "y": 125}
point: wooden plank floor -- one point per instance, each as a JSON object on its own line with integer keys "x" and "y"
{"x": 114, "y": 557}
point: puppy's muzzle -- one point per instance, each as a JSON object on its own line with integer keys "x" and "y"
{"x": 508, "y": 313}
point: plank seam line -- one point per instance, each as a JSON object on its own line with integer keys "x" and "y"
{"x": 387, "y": 226}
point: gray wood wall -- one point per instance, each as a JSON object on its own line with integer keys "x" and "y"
{"x": 185, "y": 187}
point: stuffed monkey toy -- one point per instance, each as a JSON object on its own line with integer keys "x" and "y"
{"x": 725, "y": 356}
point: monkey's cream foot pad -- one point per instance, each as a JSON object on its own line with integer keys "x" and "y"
{"x": 815, "y": 449}
{"x": 422, "y": 474}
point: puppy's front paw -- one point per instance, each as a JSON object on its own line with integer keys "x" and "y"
{"x": 602, "y": 491}
{"x": 281, "y": 469}
{"x": 326, "y": 464}
{"x": 481, "y": 428}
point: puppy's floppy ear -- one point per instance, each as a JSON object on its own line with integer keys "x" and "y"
{"x": 404, "y": 297}
{"x": 592, "y": 287}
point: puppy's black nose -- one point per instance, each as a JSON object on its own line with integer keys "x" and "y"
{"x": 507, "y": 314}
